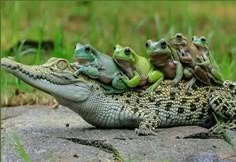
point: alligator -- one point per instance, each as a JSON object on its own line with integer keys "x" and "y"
{"x": 132, "y": 109}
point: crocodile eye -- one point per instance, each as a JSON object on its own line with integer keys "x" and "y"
{"x": 62, "y": 64}
{"x": 127, "y": 51}
{"x": 203, "y": 39}
{"x": 87, "y": 49}
{"x": 163, "y": 44}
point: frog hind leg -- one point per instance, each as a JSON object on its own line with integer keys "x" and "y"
{"x": 155, "y": 77}
{"x": 216, "y": 76}
{"x": 202, "y": 75}
{"x": 118, "y": 83}
{"x": 111, "y": 90}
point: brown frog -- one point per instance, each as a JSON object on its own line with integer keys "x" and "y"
{"x": 189, "y": 56}
{"x": 165, "y": 59}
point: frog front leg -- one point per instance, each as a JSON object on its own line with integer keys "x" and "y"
{"x": 90, "y": 71}
{"x": 118, "y": 83}
{"x": 216, "y": 76}
{"x": 133, "y": 82}
{"x": 203, "y": 62}
{"x": 155, "y": 77}
{"x": 179, "y": 73}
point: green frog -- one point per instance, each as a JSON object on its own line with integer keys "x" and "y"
{"x": 165, "y": 59}
{"x": 99, "y": 66}
{"x": 189, "y": 56}
{"x": 138, "y": 70}
{"x": 207, "y": 59}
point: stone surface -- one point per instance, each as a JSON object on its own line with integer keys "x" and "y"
{"x": 46, "y": 135}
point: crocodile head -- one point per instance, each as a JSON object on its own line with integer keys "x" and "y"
{"x": 54, "y": 77}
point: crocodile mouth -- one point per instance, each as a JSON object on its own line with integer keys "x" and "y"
{"x": 58, "y": 83}
{"x": 37, "y": 72}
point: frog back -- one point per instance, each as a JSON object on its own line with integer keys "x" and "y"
{"x": 143, "y": 66}
{"x": 108, "y": 64}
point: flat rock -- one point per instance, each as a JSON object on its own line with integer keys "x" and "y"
{"x": 62, "y": 135}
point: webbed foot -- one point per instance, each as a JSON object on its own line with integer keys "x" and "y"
{"x": 152, "y": 88}
{"x": 190, "y": 84}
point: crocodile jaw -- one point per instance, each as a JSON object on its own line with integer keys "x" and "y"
{"x": 51, "y": 82}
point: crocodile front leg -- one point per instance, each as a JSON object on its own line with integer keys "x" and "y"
{"x": 224, "y": 104}
{"x": 149, "y": 125}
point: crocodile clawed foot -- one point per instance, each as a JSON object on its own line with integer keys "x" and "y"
{"x": 144, "y": 132}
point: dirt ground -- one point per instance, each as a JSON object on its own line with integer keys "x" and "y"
{"x": 61, "y": 135}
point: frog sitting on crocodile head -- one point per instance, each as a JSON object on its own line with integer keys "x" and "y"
{"x": 138, "y": 70}
{"x": 99, "y": 66}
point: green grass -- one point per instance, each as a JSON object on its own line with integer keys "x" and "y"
{"x": 20, "y": 148}
{"x": 105, "y": 23}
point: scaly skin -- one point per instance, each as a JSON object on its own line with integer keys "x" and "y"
{"x": 130, "y": 109}
{"x": 138, "y": 69}
{"x": 97, "y": 65}
{"x": 208, "y": 61}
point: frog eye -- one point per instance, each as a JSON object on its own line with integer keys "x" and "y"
{"x": 87, "y": 49}
{"x": 203, "y": 39}
{"x": 178, "y": 35}
{"x": 62, "y": 64}
{"x": 127, "y": 51}
{"x": 192, "y": 38}
{"x": 114, "y": 48}
{"x": 148, "y": 43}
{"x": 163, "y": 44}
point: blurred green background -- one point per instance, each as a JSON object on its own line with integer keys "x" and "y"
{"x": 105, "y": 23}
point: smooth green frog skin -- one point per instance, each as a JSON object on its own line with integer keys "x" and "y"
{"x": 189, "y": 55}
{"x": 99, "y": 66}
{"x": 208, "y": 61}
{"x": 138, "y": 69}
{"x": 165, "y": 59}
